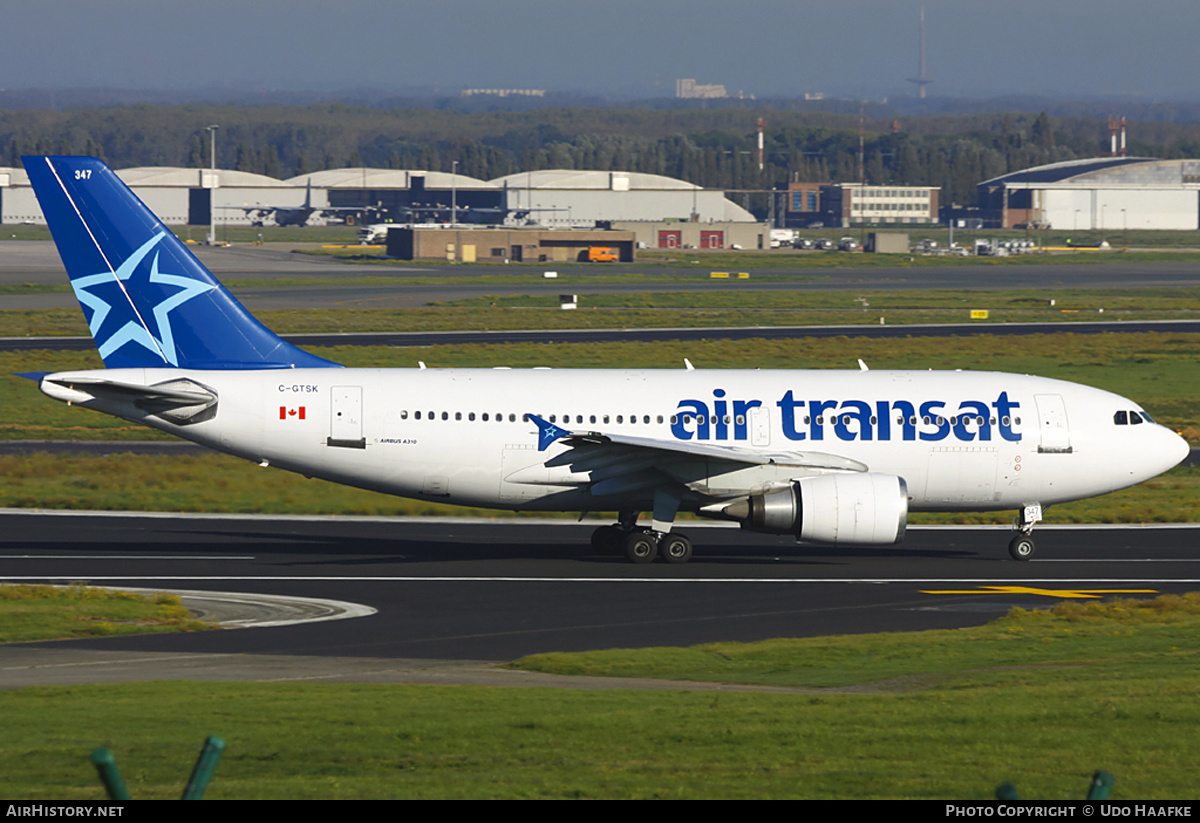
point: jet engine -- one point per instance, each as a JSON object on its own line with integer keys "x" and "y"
{"x": 833, "y": 508}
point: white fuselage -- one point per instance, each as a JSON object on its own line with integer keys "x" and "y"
{"x": 960, "y": 440}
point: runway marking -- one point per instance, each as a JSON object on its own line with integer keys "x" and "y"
{"x": 469, "y": 579}
{"x": 124, "y": 557}
{"x": 1125, "y": 560}
{"x": 530, "y": 521}
{"x": 1069, "y": 593}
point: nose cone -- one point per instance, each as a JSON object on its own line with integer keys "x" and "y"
{"x": 1167, "y": 451}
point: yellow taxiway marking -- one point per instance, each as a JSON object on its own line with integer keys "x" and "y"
{"x": 1077, "y": 593}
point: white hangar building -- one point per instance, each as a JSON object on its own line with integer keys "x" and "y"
{"x": 1106, "y": 193}
{"x": 563, "y": 197}
{"x": 178, "y": 196}
{"x": 551, "y": 198}
{"x": 405, "y": 195}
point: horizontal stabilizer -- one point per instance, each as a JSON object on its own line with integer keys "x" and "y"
{"x": 96, "y": 387}
{"x": 179, "y": 401}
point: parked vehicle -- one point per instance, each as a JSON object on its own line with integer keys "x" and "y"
{"x": 374, "y": 235}
{"x": 782, "y": 237}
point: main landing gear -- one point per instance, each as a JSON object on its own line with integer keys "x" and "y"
{"x": 1022, "y": 547}
{"x": 639, "y": 544}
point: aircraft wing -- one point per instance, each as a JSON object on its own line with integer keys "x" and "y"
{"x": 262, "y": 210}
{"x": 616, "y": 463}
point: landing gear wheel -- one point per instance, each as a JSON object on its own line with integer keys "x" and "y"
{"x": 1022, "y": 547}
{"x": 641, "y": 547}
{"x": 675, "y": 548}
{"x": 608, "y": 541}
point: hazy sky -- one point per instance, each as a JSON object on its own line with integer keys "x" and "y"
{"x": 853, "y": 48}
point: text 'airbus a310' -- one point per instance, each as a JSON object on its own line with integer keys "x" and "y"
{"x": 831, "y": 457}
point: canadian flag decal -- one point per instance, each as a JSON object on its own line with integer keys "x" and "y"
{"x": 293, "y": 414}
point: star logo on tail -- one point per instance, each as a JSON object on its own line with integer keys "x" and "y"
{"x": 110, "y": 296}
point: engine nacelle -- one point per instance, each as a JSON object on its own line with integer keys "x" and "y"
{"x": 833, "y": 508}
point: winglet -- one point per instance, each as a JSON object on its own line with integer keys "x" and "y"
{"x": 547, "y": 432}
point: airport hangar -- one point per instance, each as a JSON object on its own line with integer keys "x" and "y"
{"x": 178, "y": 196}
{"x": 1105, "y": 193}
{"x": 661, "y": 211}
{"x": 182, "y": 196}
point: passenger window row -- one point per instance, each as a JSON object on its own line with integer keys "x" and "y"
{"x": 500, "y": 417}
{"x": 1120, "y": 419}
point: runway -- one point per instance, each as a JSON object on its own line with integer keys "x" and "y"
{"x": 457, "y": 595}
{"x": 37, "y": 262}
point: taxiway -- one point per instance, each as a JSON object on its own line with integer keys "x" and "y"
{"x": 477, "y": 592}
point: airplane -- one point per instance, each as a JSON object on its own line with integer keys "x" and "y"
{"x": 828, "y": 457}
{"x": 292, "y": 215}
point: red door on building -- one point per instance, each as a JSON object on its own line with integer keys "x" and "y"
{"x": 670, "y": 239}
{"x": 710, "y": 239}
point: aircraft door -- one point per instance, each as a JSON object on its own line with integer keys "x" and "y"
{"x": 1052, "y": 424}
{"x": 345, "y": 418}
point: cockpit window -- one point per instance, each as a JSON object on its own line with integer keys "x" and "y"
{"x": 1131, "y": 418}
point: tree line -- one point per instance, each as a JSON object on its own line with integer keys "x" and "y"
{"x": 714, "y": 149}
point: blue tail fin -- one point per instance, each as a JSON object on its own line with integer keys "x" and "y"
{"x": 148, "y": 301}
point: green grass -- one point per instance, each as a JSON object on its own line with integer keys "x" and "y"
{"x": 1038, "y": 699}
{"x": 58, "y": 612}
{"x": 191, "y": 483}
{"x": 1073, "y": 632}
{"x": 873, "y": 301}
{"x": 708, "y": 304}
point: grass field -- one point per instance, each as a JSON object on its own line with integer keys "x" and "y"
{"x": 62, "y": 612}
{"x": 1039, "y": 699}
{"x": 704, "y": 304}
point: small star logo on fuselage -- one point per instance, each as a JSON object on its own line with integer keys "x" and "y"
{"x": 121, "y": 295}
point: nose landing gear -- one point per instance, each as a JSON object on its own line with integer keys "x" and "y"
{"x": 1022, "y": 547}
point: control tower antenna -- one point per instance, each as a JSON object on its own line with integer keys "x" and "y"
{"x": 922, "y": 79}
